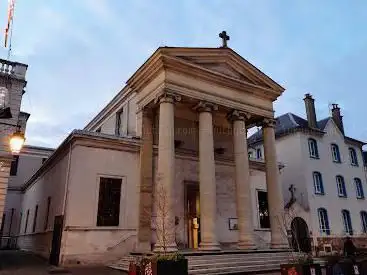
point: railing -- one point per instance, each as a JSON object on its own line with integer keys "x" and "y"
{"x": 13, "y": 68}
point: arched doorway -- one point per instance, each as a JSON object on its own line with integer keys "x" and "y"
{"x": 301, "y": 240}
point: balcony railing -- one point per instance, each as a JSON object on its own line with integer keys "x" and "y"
{"x": 13, "y": 68}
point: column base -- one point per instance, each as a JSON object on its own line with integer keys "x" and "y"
{"x": 209, "y": 246}
{"x": 168, "y": 248}
{"x": 246, "y": 245}
{"x": 143, "y": 247}
{"x": 279, "y": 245}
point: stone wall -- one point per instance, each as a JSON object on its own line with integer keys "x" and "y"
{"x": 337, "y": 243}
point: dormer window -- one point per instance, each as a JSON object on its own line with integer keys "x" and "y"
{"x": 353, "y": 157}
{"x": 312, "y": 148}
{"x": 335, "y": 153}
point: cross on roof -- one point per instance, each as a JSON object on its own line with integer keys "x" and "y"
{"x": 225, "y": 38}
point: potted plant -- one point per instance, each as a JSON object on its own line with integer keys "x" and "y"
{"x": 163, "y": 262}
{"x": 301, "y": 266}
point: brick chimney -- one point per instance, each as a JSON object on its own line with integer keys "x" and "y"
{"x": 337, "y": 117}
{"x": 310, "y": 111}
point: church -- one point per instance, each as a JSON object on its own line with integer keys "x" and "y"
{"x": 163, "y": 166}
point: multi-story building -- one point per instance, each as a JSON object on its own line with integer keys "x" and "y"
{"x": 22, "y": 169}
{"x": 324, "y": 170}
{"x": 12, "y": 84}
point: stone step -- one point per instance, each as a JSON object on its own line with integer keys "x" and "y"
{"x": 229, "y": 264}
{"x": 235, "y": 269}
{"x": 226, "y": 263}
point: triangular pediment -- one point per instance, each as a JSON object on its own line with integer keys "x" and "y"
{"x": 226, "y": 62}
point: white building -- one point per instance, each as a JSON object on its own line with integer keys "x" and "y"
{"x": 22, "y": 169}
{"x": 324, "y": 169}
{"x": 177, "y": 123}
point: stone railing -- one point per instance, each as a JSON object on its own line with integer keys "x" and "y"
{"x": 13, "y": 68}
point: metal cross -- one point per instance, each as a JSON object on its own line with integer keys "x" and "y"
{"x": 225, "y": 38}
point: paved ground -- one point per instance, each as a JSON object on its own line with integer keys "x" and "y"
{"x": 23, "y": 263}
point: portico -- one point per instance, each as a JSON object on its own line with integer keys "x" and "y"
{"x": 217, "y": 89}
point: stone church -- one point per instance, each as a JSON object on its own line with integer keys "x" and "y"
{"x": 163, "y": 166}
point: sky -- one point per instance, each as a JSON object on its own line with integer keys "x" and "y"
{"x": 81, "y": 52}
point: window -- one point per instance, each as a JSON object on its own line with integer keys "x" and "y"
{"x": 26, "y": 222}
{"x": 119, "y": 122}
{"x": 347, "y": 222}
{"x": 259, "y": 153}
{"x": 262, "y": 198}
{"x": 47, "y": 213}
{"x": 14, "y": 166}
{"x": 323, "y": 221}
{"x": 109, "y": 202}
{"x": 335, "y": 153}
{"x": 317, "y": 182}
{"x": 11, "y": 220}
{"x": 35, "y": 219}
{"x": 312, "y": 148}
{"x": 342, "y": 192}
{"x": 353, "y": 157}
{"x": 250, "y": 154}
{"x": 20, "y": 222}
{"x": 364, "y": 221}
{"x": 359, "y": 188}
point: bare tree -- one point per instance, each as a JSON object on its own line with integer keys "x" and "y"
{"x": 164, "y": 222}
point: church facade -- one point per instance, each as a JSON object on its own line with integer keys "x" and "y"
{"x": 164, "y": 166}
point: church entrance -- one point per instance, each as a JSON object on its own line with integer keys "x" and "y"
{"x": 192, "y": 213}
{"x": 301, "y": 240}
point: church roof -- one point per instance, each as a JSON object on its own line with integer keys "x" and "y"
{"x": 290, "y": 123}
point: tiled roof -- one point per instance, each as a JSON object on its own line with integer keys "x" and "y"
{"x": 290, "y": 123}
{"x": 287, "y": 124}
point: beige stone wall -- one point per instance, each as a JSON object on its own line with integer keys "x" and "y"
{"x": 83, "y": 240}
{"x": 51, "y": 183}
{"x": 187, "y": 171}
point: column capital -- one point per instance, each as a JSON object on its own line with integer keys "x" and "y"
{"x": 268, "y": 123}
{"x": 167, "y": 96}
{"x": 204, "y": 106}
{"x": 238, "y": 115}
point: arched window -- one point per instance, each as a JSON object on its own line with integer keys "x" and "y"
{"x": 323, "y": 221}
{"x": 347, "y": 222}
{"x": 340, "y": 184}
{"x": 312, "y": 148}
{"x": 4, "y": 95}
{"x": 318, "y": 184}
{"x": 353, "y": 157}
{"x": 359, "y": 188}
{"x": 364, "y": 221}
{"x": 335, "y": 153}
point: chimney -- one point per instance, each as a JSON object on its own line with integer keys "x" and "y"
{"x": 310, "y": 111}
{"x": 337, "y": 117}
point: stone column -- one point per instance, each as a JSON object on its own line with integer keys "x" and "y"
{"x": 274, "y": 189}
{"x": 243, "y": 185}
{"x": 164, "y": 189}
{"x": 146, "y": 183}
{"x": 208, "y": 188}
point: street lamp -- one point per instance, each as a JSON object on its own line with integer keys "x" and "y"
{"x": 17, "y": 140}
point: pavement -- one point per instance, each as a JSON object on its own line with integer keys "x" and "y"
{"x": 25, "y": 263}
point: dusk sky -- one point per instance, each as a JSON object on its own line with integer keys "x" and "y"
{"x": 81, "y": 52}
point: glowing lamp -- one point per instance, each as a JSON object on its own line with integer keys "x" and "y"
{"x": 17, "y": 140}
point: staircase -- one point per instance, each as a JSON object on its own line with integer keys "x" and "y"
{"x": 229, "y": 262}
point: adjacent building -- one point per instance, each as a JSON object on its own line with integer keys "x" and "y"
{"x": 12, "y": 84}
{"x": 22, "y": 169}
{"x": 323, "y": 172}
